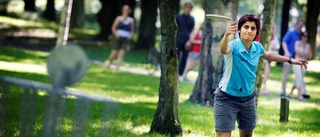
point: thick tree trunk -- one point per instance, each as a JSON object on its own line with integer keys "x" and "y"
{"x": 177, "y": 6}
{"x": 77, "y": 17}
{"x": 29, "y": 5}
{"x": 166, "y": 119}
{"x": 211, "y": 61}
{"x": 312, "y": 22}
{"x": 147, "y": 29}
{"x": 50, "y": 12}
{"x": 268, "y": 19}
{"x": 284, "y": 23}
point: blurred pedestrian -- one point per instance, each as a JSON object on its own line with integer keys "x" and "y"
{"x": 273, "y": 47}
{"x": 185, "y": 23}
{"x": 303, "y": 52}
{"x": 194, "y": 54}
{"x": 122, "y": 29}
{"x": 288, "y": 42}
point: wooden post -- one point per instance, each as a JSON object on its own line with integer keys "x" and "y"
{"x": 284, "y": 109}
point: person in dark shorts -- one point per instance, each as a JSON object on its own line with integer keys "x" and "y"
{"x": 122, "y": 29}
{"x": 234, "y": 98}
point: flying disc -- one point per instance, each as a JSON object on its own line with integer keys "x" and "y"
{"x": 218, "y": 17}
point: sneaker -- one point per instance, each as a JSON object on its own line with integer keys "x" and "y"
{"x": 306, "y": 96}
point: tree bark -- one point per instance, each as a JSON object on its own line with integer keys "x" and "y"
{"x": 312, "y": 22}
{"x": 211, "y": 61}
{"x": 268, "y": 19}
{"x": 284, "y": 22}
{"x": 77, "y": 17}
{"x": 29, "y": 5}
{"x": 50, "y": 12}
{"x": 177, "y": 6}
{"x": 147, "y": 29}
{"x": 166, "y": 119}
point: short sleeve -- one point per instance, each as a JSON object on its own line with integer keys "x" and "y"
{"x": 287, "y": 37}
{"x": 231, "y": 46}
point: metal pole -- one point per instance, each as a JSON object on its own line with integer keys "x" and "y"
{"x": 64, "y": 24}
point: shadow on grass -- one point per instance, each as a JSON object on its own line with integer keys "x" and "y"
{"x": 17, "y": 55}
{"x": 104, "y": 118}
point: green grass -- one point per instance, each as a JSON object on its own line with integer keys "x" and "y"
{"x": 136, "y": 98}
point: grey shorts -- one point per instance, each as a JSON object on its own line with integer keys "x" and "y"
{"x": 229, "y": 109}
{"x": 120, "y": 43}
{"x": 194, "y": 55}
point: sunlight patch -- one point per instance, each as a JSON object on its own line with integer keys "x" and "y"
{"x": 139, "y": 130}
{"x": 22, "y": 67}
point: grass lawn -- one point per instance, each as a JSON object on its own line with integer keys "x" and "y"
{"x": 135, "y": 99}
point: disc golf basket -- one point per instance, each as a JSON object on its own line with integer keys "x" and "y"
{"x": 60, "y": 107}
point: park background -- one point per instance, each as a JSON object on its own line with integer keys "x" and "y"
{"x": 26, "y": 38}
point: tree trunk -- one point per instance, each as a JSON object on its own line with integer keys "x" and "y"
{"x": 3, "y": 7}
{"x": 77, "y": 17}
{"x": 284, "y": 23}
{"x": 211, "y": 61}
{"x": 109, "y": 11}
{"x": 268, "y": 19}
{"x": 50, "y": 12}
{"x": 166, "y": 119}
{"x": 147, "y": 29}
{"x": 312, "y": 22}
{"x": 29, "y": 5}
{"x": 177, "y": 6}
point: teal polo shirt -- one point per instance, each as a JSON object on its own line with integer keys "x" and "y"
{"x": 240, "y": 68}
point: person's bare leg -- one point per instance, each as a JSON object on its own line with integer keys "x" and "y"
{"x": 292, "y": 89}
{"x": 223, "y": 134}
{"x": 112, "y": 56}
{"x": 190, "y": 65}
{"x": 120, "y": 58}
{"x": 245, "y": 133}
{"x": 300, "y": 97}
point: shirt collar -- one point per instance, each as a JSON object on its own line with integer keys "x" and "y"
{"x": 242, "y": 47}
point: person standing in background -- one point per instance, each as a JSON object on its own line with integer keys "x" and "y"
{"x": 273, "y": 47}
{"x": 185, "y": 23}
{"x": 303, "y": 52}
{"x": 194, "y": 54}
{"x": 288, "y": 42}
{"x": 122, "y": 29}
{"x": 260, "y": 29}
